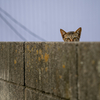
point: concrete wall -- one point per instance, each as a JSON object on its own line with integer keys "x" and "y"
{"x": 49, "y": 71}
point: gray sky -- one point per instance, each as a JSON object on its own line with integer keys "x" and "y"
{"x": 46, "y": 17}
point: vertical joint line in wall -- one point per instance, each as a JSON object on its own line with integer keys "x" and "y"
{"x": 77, "y": 71}
{"x": 24, "y": 60}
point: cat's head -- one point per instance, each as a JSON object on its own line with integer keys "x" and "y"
{"x": 71, "y": 36}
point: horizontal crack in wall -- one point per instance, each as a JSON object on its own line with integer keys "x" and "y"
{"x": 40, "y": 91}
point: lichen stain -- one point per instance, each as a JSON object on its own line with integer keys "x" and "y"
{"x": 60, "y": 76}
{"x": 46, "y": 57}
{"x": 63, "y": 66}
{"x": 37, "y": 51}
{"x": 32, "y": 49}
{"x": 19, "y": 52}
{"x": 28, "y": 47}
{"x": 16, "y": 51}
{"x": 58, "y": 49}
{"x": 29, "y": 51}
{"x": 93, "y": 62}
{"x": 46, "y": 69}
{"x": 27, "y": 62}
{"x": 46, "y": 47}
{"x": 39, "y": 58}
{"x": 34, "y": 46}
{"x": 40, "y": 51}
{"x": 15, "y": 61}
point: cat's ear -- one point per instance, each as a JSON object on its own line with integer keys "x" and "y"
{"x": 78, "y": 31}
{"x": 62, "y": 32}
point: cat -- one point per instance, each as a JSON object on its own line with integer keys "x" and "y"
{"x": 71, "y": 36}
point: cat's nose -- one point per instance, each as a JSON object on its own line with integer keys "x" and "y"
{"x": 71, "y": 40}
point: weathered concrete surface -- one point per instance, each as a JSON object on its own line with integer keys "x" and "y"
{"x": 9, "y": 91}
{"x": 11, "y": 62}
{"x": 50, "y": 71}
{"x": 35, "y": 95}
{"x": 89, "y": 71}
{"x": 51, "y": 67}
{"x": 31, "y": 94}
{"x": 4, "y": 60}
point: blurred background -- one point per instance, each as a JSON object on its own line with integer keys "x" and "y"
{"x": 41, "y": 20}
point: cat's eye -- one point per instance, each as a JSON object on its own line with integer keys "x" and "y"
{"x": 76, "y": 39}
{"x": 67, "y": 39}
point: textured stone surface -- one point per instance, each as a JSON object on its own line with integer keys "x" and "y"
{"x": 9, "y": 91}
{"x": 51, "y": 71}
{"x": 89, "y": 71}
{"x": 31, "y": 94}
{"x": 36, "y": 95}
{"x": 11, "y": 62}
{"x": 4, "y": 60}
{"x": 48, "y": 68}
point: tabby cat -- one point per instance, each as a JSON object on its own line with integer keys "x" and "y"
{"x": 71, "y": 36}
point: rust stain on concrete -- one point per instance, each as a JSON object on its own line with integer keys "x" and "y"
{"x": 46, "y": 57}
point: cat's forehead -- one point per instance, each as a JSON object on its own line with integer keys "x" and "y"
{"x": 70, "y": 34}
